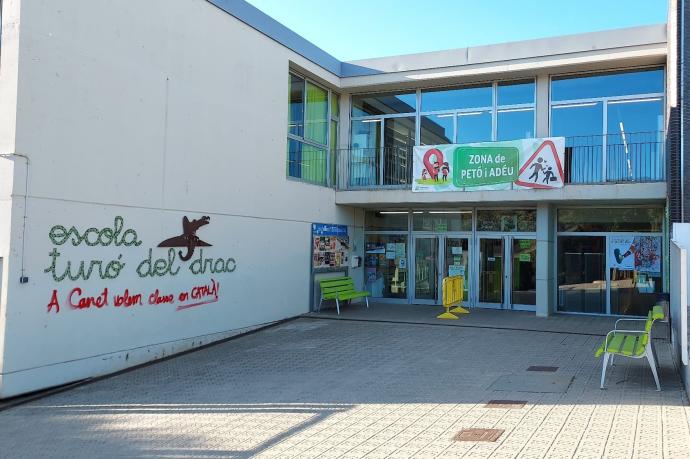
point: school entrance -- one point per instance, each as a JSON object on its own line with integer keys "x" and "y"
{"x": 494, "y": 250}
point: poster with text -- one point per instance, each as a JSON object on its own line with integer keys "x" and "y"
{"x": 515, "y": 164}
{"x": 636, "y": 253}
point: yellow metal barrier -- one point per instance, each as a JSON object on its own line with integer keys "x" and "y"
{"x": 452, "y": 294}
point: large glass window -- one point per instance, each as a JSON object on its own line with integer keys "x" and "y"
{"x": 613, "y": 125}
{"x": 385, "y": 265}
{"x": 365, "y": 155}
{"x": 515, "y": 93}
{"x": 310, "y": 131}
{"x": 619, "y": 219}
{"x": 515, "y": 123}
{"x": 394, "y": 220}
{"x": 618, "y": 267}
{"x": 470, "y": 112}
{"x": 634, "y": 140}
{"x": 507, "y": 220}
{"x": 474, "y": 127}
{"x": 452, "y": 99}
{"x": 296, "y": 102}
{"x": 581, "y": 125}
{"x": 398, "y": 141}
{"x": 437, "y": 129}
{"x": 636, "y": 263}
{"x": 384, "y": 103}
{"x": 581, "y": 274}
{"x": 442, "y": 221}
{"x": 607, "y": 85}
{"x": 382, "y": 140}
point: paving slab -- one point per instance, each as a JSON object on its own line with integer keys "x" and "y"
{"x": 340, "y": 388}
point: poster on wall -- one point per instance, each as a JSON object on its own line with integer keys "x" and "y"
{"x": 636, "y": 253}
{"x": 330, "y": 246}
{"x": 515, "y": 164}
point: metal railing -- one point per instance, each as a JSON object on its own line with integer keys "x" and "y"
{"x": 612, "y": 158}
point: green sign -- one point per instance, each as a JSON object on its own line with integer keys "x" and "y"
{"x": 525, "y": 257}
{"x": 525, "y": 243}
{"x": 476, "y": 166}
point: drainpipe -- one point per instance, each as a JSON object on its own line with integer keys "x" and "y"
{"x": 22, "y": 278}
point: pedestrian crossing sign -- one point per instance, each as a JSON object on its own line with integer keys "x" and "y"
{"x": 542, "y": 170}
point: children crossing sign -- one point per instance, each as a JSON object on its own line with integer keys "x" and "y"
{"x": 515, "y": 164}
{"x": 543, "y": 169}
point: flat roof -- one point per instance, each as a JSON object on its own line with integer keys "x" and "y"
{"x": 616, "y": 39}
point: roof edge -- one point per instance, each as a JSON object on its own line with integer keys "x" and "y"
{"x": 263, "y": 23}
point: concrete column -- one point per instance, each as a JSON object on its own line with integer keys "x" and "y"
{"x": 542, "y": 103}
{"x": 546, "y": 255}
{"x": 342, "y": 162}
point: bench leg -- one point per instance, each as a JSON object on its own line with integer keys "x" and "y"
{"x": 320, "y": 301}
{"x": 337, "y": 305}
{"x": 603, "y": 369}
{"x": 612, "y": 356}
{"x": 366, "y": 298}
{"x": 652, "y": 364}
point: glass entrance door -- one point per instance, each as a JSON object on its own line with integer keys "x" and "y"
{"x": 507, "y": 272}
{"x": 457, "y": 263}
{"x": 491, "y": 272}
{"x": 426, "y": 272}
{"x": 436, "y": 257}
{"x": 523, "y": 273}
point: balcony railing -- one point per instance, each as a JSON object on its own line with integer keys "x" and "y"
{"x": 613, "y": 158}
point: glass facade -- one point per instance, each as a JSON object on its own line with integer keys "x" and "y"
{"x": 312, "y": 131}
{"x": 385, "y": 275}
{"x": 613, "y": 123}
{"x": 479, "y": 113}
{"x": 610, "y": 260}
{"x": 507, "y": 220}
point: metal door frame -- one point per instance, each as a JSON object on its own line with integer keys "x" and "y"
{"x": 413, "y": 268}
{"x": 440, "y": 264}
{"x": 507, "y": 239}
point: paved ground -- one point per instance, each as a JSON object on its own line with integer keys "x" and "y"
{"x": 333, "y": 388}
{"x": 478, "y": 318}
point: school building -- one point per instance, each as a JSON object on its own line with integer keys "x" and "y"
{"x": 174, "y": 173}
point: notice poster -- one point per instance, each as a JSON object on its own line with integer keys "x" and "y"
{"x": 400, "y": 250}
{"x": 639, "y": 253}
{"x": 330, "y": 246}
{"x": 456, "y": 270}
{"x": 515, "y": 164}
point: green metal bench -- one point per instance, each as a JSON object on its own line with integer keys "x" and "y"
{"x": 339, "y": 289}
{"x": 635, "y": 344}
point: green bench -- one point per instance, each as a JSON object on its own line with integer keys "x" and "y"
{"x": 636, "y": 344}
{"x": 340, "y": 289}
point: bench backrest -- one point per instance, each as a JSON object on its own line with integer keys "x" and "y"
{"x": 336, "y": 284}
{"x": 657, "y": 313}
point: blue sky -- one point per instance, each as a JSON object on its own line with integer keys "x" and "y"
{"x": 359, "y": 29}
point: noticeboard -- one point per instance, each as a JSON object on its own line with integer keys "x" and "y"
{"x": 330, "y": 246}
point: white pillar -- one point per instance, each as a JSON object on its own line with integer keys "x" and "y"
{"x": 542, "y": 106}
{"x": 546, "y": 255}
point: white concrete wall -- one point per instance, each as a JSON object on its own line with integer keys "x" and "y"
{"x": 151, "y": 111}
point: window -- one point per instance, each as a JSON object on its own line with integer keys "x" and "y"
{"x": 386, "y": 220}
{"x": 610, "y": 84}
{"x": 453, "y": 99}
{"x": 442, "y": 221}
{"x": 507, "y": 220}
{"x": 383, "y": 134}
{"x": 312, "y": 128}
{"x": 613, "y": 125}
{"x": 515, "y": 110}
{"x": 592, "y": 219}
{"x": 610, "y": 260}
{"x": 384, "y": 104}
{"x": 479, "y": 113}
